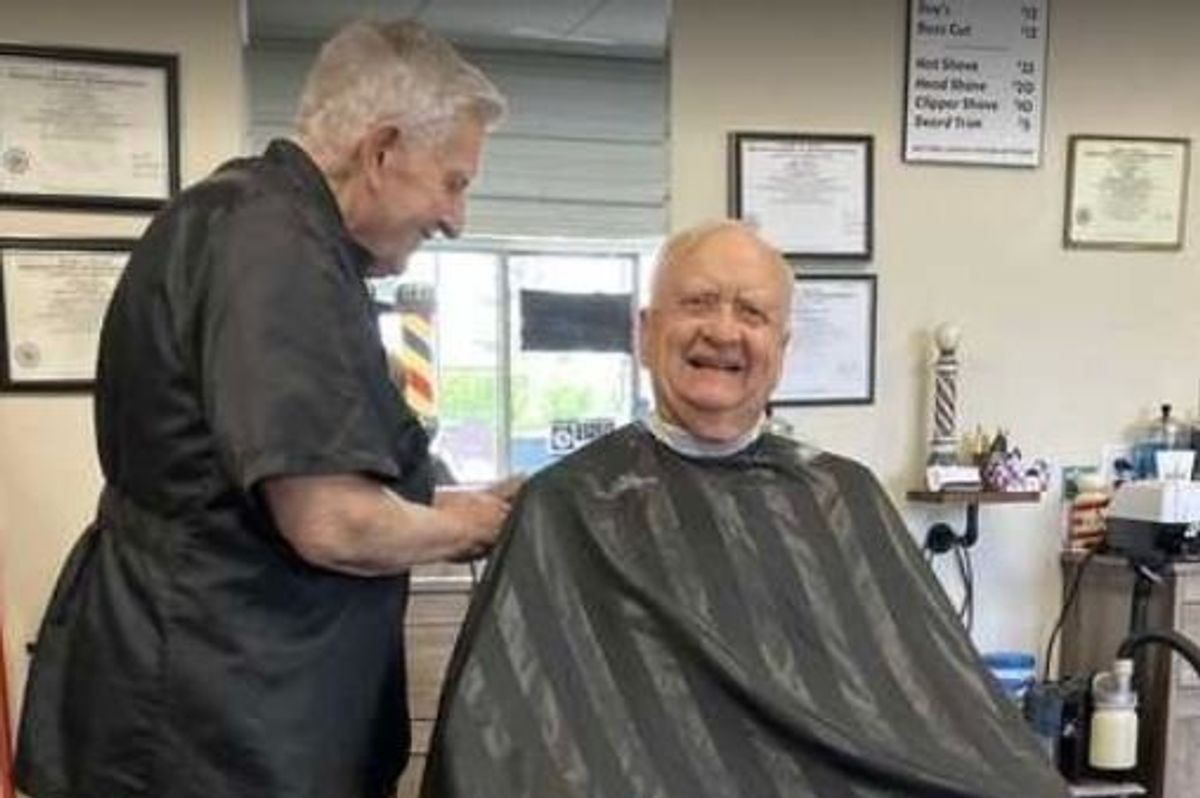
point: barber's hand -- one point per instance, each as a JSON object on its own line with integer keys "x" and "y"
{"x": 507, "y": 488}
{"x": 477, "y": 516}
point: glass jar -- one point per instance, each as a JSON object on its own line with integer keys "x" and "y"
{"x": 1163, "y": 434}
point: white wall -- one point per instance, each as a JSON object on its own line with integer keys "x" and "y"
{"x": 49, "y": 476}
{"x": 1064, "y": 348}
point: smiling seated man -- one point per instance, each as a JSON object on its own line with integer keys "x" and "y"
{"x": 694, "y": 607}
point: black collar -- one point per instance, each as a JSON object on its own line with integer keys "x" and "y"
{"x": 309, "y": 181}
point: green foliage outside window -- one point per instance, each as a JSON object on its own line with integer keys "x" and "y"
{"x": 539, "y": 396}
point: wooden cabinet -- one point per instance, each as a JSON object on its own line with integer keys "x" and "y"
{"x": 1169, "y": 742}
{"x": 436, "y": 606}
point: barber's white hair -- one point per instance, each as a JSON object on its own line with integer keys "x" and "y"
{"x": 683, "y": 243}
{"x": 401, "y": 73}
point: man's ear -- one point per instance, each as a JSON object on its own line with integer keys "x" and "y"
{"x": 785, "y": 338}
{"x": 376, "y": 147}
{"x": 643, "y": 336}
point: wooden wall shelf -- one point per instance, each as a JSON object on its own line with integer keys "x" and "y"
{"x": 974, "y": 496}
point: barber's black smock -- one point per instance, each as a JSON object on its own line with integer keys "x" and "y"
{"x": 761, "y": 625}
{"x": 187, "y": 651}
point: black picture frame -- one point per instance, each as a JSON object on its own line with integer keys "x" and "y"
{"x": 848, "y": 185}
{"x": 78, "y": 376}
{"x": 831, "y": 359}
{"x": 16, "y": 156}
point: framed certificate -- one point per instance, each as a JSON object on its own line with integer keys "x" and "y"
{"x": 1126, "y": 193}
{"x": 88, "y": 128}
{"x": 808, "y": 195}
{"x": 831, "y": 357}
{"x": 53, "y": 296}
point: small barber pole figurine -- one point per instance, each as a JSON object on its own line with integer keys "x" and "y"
{"x": 943, "y": 446}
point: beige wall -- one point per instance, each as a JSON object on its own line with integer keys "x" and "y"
{"x": 1064, "y": 348}
{"x": 49, "y": 477}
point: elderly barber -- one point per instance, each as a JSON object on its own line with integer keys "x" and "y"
{"x": 230, "y": 625}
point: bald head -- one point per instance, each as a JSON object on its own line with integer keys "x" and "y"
{"x": 680, "y": 250}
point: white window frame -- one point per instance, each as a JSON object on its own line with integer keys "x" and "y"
{"x": 639, "y": 253}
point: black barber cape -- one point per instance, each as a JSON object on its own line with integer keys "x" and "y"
{"x": 754, "y": 626}
{"x": 188, "y": 652}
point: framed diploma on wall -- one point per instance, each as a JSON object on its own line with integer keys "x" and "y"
{"x": 88, "y": 128}
{"x": 53, "y": 296}
{"x": 808, "y": 195}
{"x": 1126, "y": 193}
{"x": 831, "y": 357}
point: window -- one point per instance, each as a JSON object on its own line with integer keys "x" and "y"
{"x": 515, "y": 356}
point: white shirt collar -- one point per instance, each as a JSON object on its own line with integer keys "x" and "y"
{"x": 680, "y": 440}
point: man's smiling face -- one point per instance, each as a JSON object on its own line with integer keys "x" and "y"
{"x": 714, "y": 334}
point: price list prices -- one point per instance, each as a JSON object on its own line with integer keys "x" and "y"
{"x": 976, "y": 72}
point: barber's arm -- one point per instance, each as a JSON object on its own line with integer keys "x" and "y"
{"x": 354, "y": 525}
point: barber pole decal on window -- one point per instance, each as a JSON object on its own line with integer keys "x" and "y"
{"x": 416, "y": 303}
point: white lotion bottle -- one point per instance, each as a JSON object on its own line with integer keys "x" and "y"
{"x": 1113, "y": 742}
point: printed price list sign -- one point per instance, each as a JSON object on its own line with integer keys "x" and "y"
{"x": 976, "y": 78}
